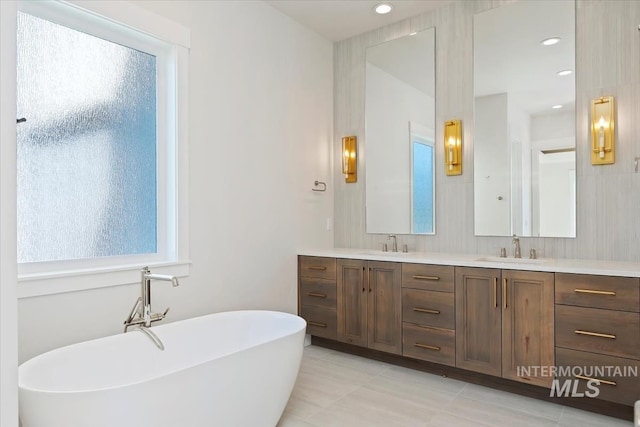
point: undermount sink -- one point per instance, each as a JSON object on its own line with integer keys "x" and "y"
{"x": 380, "y": 252}
{"x": 371, "y": 252}
{"x": 510, "y": 260}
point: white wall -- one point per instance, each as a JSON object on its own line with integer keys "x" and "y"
{"x": 557, "y": 194}
{"x": 555, "y": 191}
{"x": 260, "y": 133}
{"x": 520, "y": 144}
{"x": 390, "y": 105}
{"x": 8, "y": 290}
{"x": 492, "y": 166}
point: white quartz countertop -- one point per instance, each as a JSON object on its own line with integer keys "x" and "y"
{"x": 581, "y": 266}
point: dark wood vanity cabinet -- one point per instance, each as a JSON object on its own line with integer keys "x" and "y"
{"x": 317, "y": 295}
{"x": 479, "y": 320}
{"x": 428, "y": 313}
{"x": 504, "y": 320}
{"x": 369, "y": 304}
{"x": 527, "y": 324}
{"x": 598, "y": 325}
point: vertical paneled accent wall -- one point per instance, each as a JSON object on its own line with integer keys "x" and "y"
{"x": 608, "y": 197}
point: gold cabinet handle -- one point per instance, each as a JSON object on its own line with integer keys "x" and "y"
{"x": 581, "y": 377}
{"x": 417, "y": 277}
{"x": 317, "y": 295}
{"x": 320, "y": 325}
{"x": 504, "y": 293}
{"x": 314, "y": 267}
{"x": 426, "y": 346}
{"x": 593, "y": 292}
{"x": 426, "y": 310}
{"x": 495, "y": 292}
{"x": 594, "y": 334}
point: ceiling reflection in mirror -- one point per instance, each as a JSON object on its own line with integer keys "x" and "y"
{"x": 524, "y": 127}
{"x": 400, "y": 135}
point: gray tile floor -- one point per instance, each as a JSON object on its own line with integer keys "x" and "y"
{"x": 338, "y": 389}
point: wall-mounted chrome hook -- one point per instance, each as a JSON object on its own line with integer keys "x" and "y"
{"x": 322, "y": 185}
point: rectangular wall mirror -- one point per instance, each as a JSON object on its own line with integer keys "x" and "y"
{"x": 524, "y": 120}
{"x": 400, "y": 135}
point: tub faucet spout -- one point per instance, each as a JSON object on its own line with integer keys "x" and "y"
{"x": 141, "y": 314}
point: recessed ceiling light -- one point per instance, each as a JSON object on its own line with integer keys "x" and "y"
{"x": 550, "y": 41}
{"x": 414, "y": 33}
{"x": 564, "y": 72}
{"x": 383, "y": 8}
{"x": 555, "y": 107}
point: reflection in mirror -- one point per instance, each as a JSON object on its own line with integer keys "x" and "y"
{"x": 524, "y": 131}
{"x": 399, "y": 135}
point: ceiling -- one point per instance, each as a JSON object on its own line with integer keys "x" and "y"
{"x": 341, "y": 19}
{"x": 410, "y": 59}
{"x": 516, "y": 63}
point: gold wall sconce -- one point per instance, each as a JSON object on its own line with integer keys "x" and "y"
{"x": 453, "y": 147}
{"x": 350, "y": 159}
{"x": 602, "y": 131}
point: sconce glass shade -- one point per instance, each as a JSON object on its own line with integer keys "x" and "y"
{"x": 350, "y": 159}
{"x": 602, "y": 131}
{"x": 453, "y": 147}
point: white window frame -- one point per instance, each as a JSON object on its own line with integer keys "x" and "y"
{"x": 132, "y": 26}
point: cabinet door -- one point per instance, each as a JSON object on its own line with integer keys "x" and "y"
{"x": 352, "y": 302}
{"x": 478, "y": 320}
{"x": 385, "y": 307}
{"x": 527, "y": 324}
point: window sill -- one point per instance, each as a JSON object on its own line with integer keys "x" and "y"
{"x": 33, "y": 285}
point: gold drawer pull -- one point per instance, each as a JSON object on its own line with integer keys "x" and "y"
{"x": 426, "y": 277}
{"x": 581, "y": 377}
{"x": 313, "y": 267}
{"x": 428, "y": 347}
{"x": 426, "y": 310}
{"x": 504, "y": 293}
{"x": 592, "y": 292}
{"x": 317, "y": 295}
{"x": 594, "y": 334}
{"x": 320, "y": 325}
{"x": 495, "y": 292}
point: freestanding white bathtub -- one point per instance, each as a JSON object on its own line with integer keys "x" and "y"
{"x": 227, "y": 369}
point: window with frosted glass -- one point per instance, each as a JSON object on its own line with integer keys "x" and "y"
{"x": 86, "y": 156}
{"x": 422, "y": 188}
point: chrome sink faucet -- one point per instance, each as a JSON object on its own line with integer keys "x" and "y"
{"x": 141, "y": 314}
{"x": 516, "y": 242}
{"x": 394, "y": 248}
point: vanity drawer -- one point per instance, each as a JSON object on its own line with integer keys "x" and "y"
{"x": 616, "y": 333}
{"x": 615, "y": 293}
{"x": 318, "y": 292}
{"x": 428, "y": 308}
{"x": 321, "y": 322}
{"x": 320, "y": 267}
{"x": 431, "y": 344}
{"x": 621, "y": 386}
{"x": 428, "y": 277}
